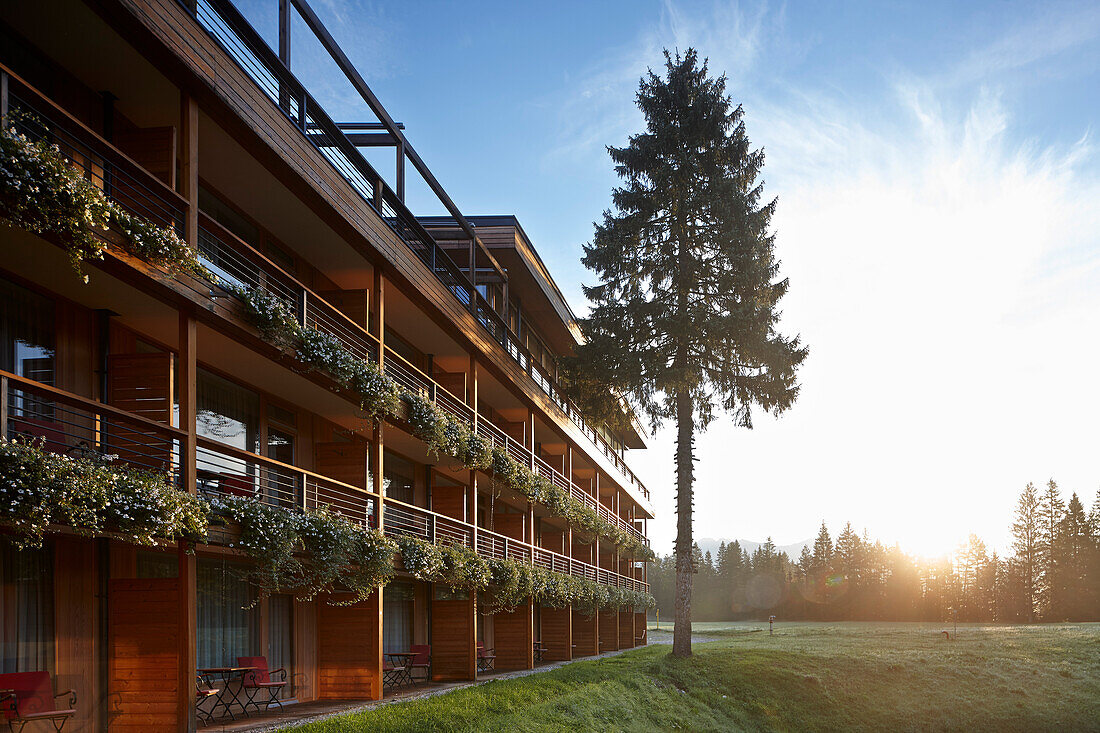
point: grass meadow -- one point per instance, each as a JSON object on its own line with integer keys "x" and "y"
{"x": 808, "y": 676}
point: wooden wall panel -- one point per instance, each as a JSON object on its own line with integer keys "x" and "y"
{"x": 349, "y": 660}
{"x": 626, "y": 629}
{"x": 355, "y": 304}
{"x": 609, "y": 630}
{"x": 143, "y": 683}
{"x": 153, "y": 148}
{"x": 345, "y": 462}
{"x": 76, "y": 622}
{"x": 585, "y": 635}
{"x": 509, "y": 525}
{"x": 641, "y": 626}
{"x": 453, "y": 646}
{"x": 556, "y": 634}
{"x": 513, "y": 638}
{"x": 450, "y": 501}
{"x": 141, "y": 384}
{"x": 453, "y": 382}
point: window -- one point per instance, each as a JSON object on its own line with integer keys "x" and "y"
{"x": 405, "y": 350}
{"x": 26, "y": 610}
{"x": 26, "y": 333}
{"x": 398, "y": 478}
{"x": 227, "y": 413}
{"x": 228, "y": 624}
{"x": 397, "y": 617}
{"x": 157, "y": 565}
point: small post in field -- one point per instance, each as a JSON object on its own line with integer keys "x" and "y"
{"x": 771, "y": 620}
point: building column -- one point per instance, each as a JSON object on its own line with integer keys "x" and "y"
{"x": 186, "y": 371}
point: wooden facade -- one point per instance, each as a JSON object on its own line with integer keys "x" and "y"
{"x": 167, "y": 373}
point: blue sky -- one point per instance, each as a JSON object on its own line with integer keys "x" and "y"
{"x": 939, "y": 218}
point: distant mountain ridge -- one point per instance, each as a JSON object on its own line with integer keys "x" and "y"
{"x": 793, "y": 550}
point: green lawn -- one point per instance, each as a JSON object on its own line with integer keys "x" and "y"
{"x": 807, "y": 677}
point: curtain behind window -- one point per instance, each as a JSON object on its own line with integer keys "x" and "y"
{"x": 397, "y": 477}
{"x": 26, "y": 610}
{"x": 397, "y": 617}
{"x": 227, "y": 413}
{"x": 280, "y": 638}
{"x": 226, "y": 628}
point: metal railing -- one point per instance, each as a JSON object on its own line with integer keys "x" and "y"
{"x": 67, "y": 424}
{"x": 64, "y": 424}
{"x": 235, "y": 35}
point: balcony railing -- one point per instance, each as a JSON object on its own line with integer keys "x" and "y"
{"x": 67, "y": 424}
{"x": 239, "y": 39}
{"x": 235, "y": 263}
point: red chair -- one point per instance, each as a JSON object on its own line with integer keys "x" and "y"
{"x": 29, "y": 696}
{"x": 485, "y": 658}
{"x": 203, "y": 692}
{"x": 37, "y": 429}
{"x": 422, "y": 661}
{"x": 236, "y": 485}
{"x": 260, "y": 678}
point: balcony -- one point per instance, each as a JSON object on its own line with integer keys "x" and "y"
{"x": 235, "y": 263}
{"x": 225, "y": 24}
{"x": 68, "y": 424}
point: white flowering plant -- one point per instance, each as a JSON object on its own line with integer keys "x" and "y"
{"x": 422, "y": 559}
{"x": 309, "y": 551}
{"x": 93, "y": 495}
{"x": 45, "y": 193}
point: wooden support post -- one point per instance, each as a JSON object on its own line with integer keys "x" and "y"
{"x": 284, "y": 32}
{"x": 400, "y": 169}
{"x": 186, "y": 371}
{"x": 378, "y": 311}
{"x": 530, "y": 430}
{"x": 189, "y": 166}
{"x": 4, "y": 99}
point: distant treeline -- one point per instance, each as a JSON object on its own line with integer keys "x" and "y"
{"x": 1052, "y": 575}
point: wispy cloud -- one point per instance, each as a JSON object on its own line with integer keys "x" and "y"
{"x": 945, "y": 271}
{"x": 598, "y": 109}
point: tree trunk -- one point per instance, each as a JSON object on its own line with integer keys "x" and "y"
{"x": 685, "y": 480}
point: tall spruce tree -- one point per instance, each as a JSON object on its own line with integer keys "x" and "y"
{"x": 1026, "y": 534}
{"x": 1051, "y": 510}
{"x": 684, "y": 320}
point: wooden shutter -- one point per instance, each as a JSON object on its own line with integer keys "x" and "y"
{"x": 143, "y": 684}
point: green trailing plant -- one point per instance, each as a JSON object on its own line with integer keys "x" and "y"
{"x": 511, "y": 583}
{"x": 309, "y": 551}
{"x": 463, "y": 569}
{"x": 43, "y": 192}
{"x": 378, "y": 396}
{"x": 93, "y": 495}
{"x": 422, "y": 559}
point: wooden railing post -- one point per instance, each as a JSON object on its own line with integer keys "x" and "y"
{"x": 3, "y": 407}
{"x": 4, "y": 99}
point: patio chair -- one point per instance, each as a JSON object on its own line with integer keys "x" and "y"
{"x": 29, "y": 696}
{"x": 203, "y": 692}
{"x": 422, "y": 661}
{"x": 260, "y": 678}
{"x": 236, "y": 485}
{"x": 485, "y": 658}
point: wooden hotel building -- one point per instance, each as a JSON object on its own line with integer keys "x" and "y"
{"x": 184, "y": 114}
